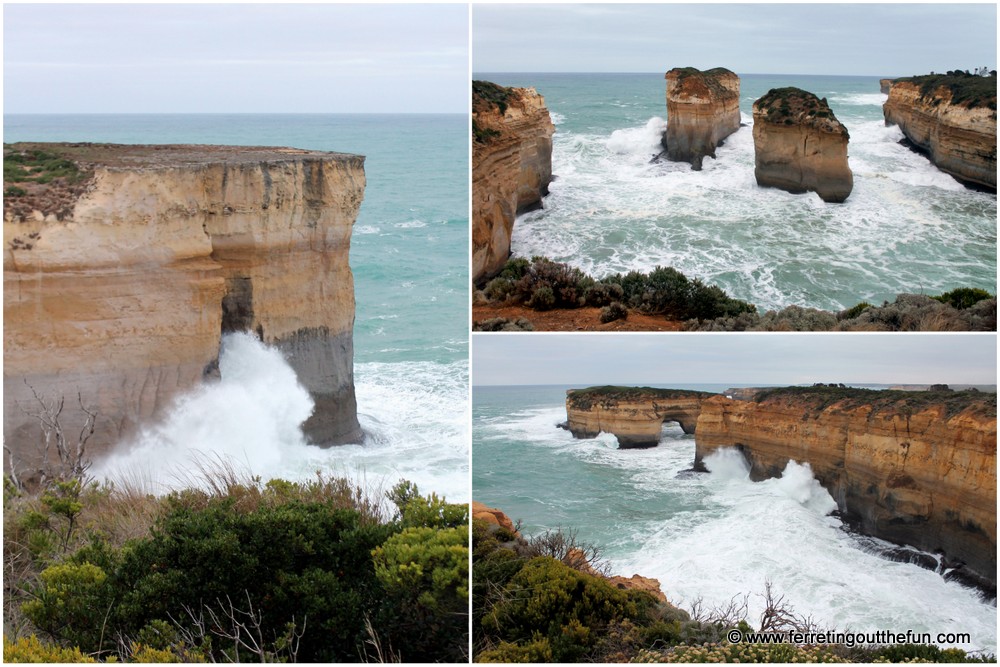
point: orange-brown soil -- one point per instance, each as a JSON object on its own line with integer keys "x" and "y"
{"x": 574, "y": 319}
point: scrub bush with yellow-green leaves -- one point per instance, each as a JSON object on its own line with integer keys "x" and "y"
{"x": 246, "y": 572}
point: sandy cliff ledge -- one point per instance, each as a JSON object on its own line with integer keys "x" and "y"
{"x": 121, "y": 288}
{"x": 511, "y": 167}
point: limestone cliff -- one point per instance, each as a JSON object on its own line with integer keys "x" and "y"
{"x": 120, "y": 279}
{"x": 953, "y": 120}
{"x": 511, "y": 167}
{"x": 884, "y": 85}
{"x": 703, "y": 108}
{"x": 917, "y": 468}
{"x": 800, "y": 146}
{"x": 634, "y": 415}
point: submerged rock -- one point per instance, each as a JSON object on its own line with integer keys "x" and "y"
{"x": 800, "y": 146}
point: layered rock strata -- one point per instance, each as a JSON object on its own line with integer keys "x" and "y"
{"x": 800, "y": 146}
{"x": 117, "y": 290}
{"x": 635, "y": 415}
{"x": 511, "y": 167}
{"x": 917, "y": 468}
{"x": 703, "y": 108}
{"x": 953, "y": 120}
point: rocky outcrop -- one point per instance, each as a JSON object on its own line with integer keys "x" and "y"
{"x": 953, "y": 120}
{"x": 703, "y": 108}
{"x": 511, "y": 167}
{"x": 119, "y": 288}
{"x": 800, "y": 146}
{"x": 884, "y": 85}
{"x": 494, "y": 517}
{"x": 916, "y": 468}
{"x": 634, "y": 415}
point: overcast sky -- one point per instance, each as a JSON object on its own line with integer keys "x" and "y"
{"x": 316, "y": 58}
{"x": 768, "y": 358}
{"x": 858, "y": 39}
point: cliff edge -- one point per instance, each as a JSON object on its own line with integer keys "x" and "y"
{"x": 917, "y": 468}
{"x": 124, "y": 265}
{"x": 953, "y": 120}
{"x": 511, "y": 167}
{"x": 703, "y": 108}
{"x": 800, "y": 146}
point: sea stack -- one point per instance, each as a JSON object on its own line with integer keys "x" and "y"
{"x": 703, "y": 108}
{"x": 952, "y": 118}
{"x": 800, "y": 146}
{"x": 123, "y": 271}
{"x": 511, "y": 167}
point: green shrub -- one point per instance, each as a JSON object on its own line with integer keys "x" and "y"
{"x": 568, "y": 607}
{"x": 70, "y": 604}
{"x": 963, "y": 297}
{"x": 853, "y": 311}
{"x": 425, "y": 575}
{"x": 613, "y": 311}
{"x": 537, "y": 650}
{"x": 542, "y": 298}
{"x": 31, "y": 649}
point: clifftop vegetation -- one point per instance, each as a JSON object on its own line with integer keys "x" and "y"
{"x": 237, "y": 571}
{"x": 584, "y": 399}
{"x": 790, "y": 105}
{"x": 821, "y": 397}
{"x": 968, "y": 90}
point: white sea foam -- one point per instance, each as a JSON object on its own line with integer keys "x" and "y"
{"x": 719, "y": 535}
{"x": 410, "y": 224}
{"x": 862, "y": 99}
{"x": 907, "y": 226}
{"x": 414, "y": 415}
{"x": 366, "y": 229}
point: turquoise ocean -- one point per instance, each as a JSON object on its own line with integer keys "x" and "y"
{"x": 409, "y": 251}
{"x": 706, "y": 537}
{"x": 906, "y": 227}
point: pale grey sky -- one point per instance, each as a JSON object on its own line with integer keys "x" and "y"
{"x": 811, "y": 38}
{"x": 765, "y": 358}
{"x": 208, "y": 58}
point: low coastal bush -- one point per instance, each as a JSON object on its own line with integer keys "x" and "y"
{"x": 283, "y": 571}
{"x": 542, "y": 284}
{"x": 532, "y": 606}
{"x": 613, "y": 311}
{"x": 963, "y": 297}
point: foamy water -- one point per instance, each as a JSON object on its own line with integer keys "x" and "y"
{"x": 907, "y": 227}
{"x": 414, "y": 415}
{"x": 708, "y": 537}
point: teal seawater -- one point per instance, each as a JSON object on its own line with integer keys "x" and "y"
{"x": 907, "y": 227}
{"x": 705, "y": 537}
{"x": 409, "y": 255}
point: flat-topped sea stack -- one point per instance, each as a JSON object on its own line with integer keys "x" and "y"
{"x": 703, "y": 108}
{"x": 511, "y": 167}
{"x": 635, "y": 415}
{"x": 917, "y": 468}
{"x": 800, "y": 146}
{"x": 952, "y": 118}
{"x": 124, "y": 265}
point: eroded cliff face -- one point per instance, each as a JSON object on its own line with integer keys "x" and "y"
{"x": 800, "y": 146}
{"x": 511, "y": 167}
{"x": 959, "y": 139}
{"x": 703, "y": 108}
{"x": 917, "y": 468}
{"x": 634, "y": 415}
{"x": 121, "y": 290}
